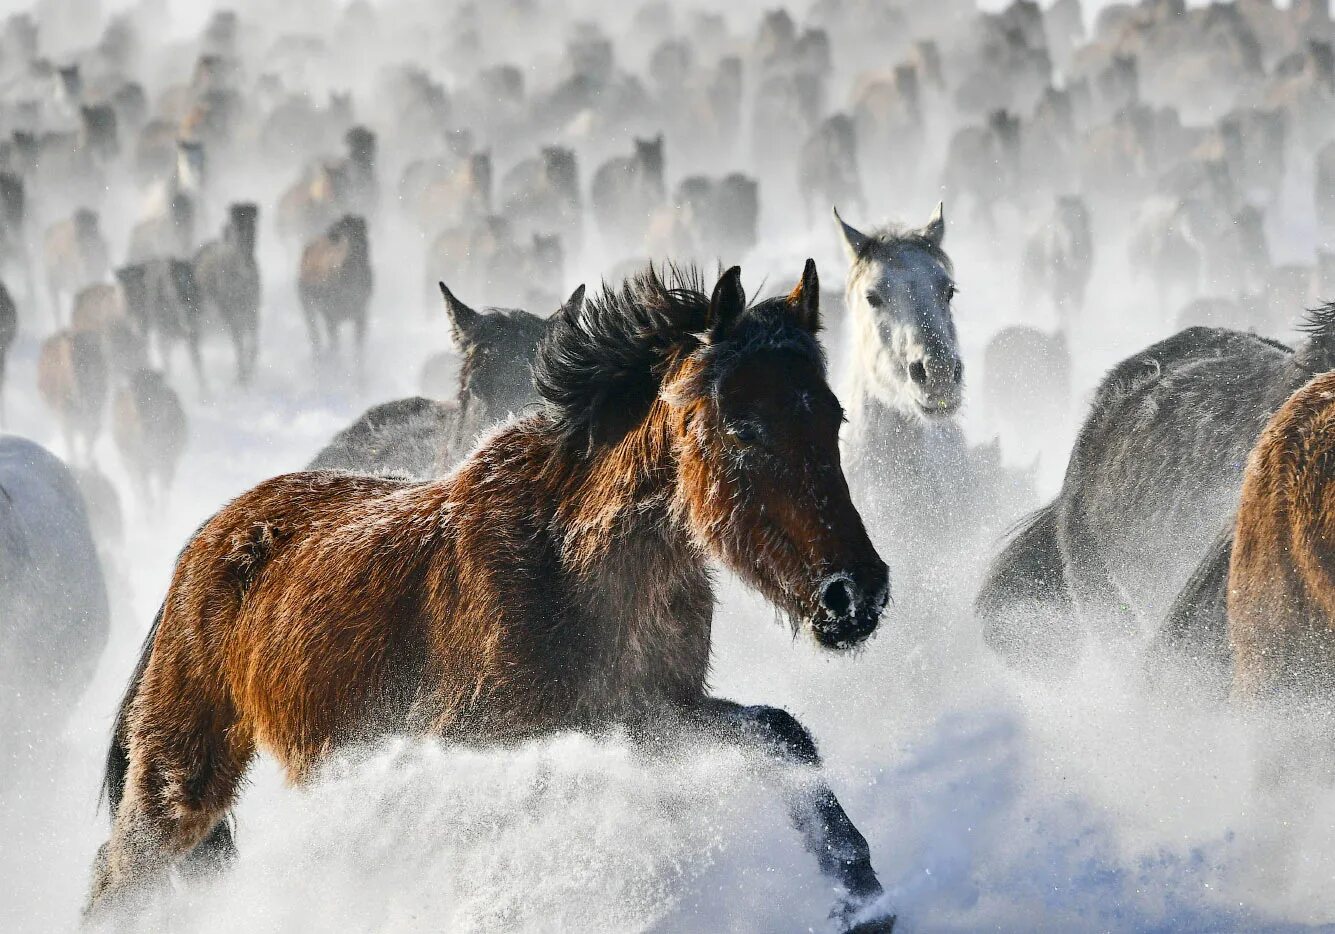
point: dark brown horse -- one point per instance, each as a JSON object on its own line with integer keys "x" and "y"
{"x": 559, "y": 579}
{"x": 1281, "y": 578}
{"x": 335, "y": 284}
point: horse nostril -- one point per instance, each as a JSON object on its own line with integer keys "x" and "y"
{"x": 959, "y": 371}
{"x": 837, "y": 597}
{"x": 918, "y": 372}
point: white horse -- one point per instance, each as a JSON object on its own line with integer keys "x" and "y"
{"x": 929, "y": 498}
{"x": 53, "y": 599}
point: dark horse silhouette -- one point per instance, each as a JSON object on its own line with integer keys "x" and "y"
{"x": 559, "y": 579}
{"x": 423, "y": 438}
{"x": 1150, "y": 489}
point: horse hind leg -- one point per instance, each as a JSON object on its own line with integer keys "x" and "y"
{"x": 211, "y": 855}
{"x": 188, "y": 756}
{"x": 1096, "y": 596}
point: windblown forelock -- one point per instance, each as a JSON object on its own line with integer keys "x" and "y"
{"x": 890, "y": 243}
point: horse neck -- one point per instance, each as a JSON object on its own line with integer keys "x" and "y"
{"x": 622, "y": 498}
{"x": 875, "y": 424}
{"x": 625, "y": 568}
{"x": 1315, "y": 355}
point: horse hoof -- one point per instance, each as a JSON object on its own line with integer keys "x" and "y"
{"x": 877, "y": 926}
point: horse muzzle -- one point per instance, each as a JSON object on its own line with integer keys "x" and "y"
{"x": 938, "y": 384}
{"x": 849, "y": 606}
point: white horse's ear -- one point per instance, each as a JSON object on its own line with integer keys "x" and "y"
{"x": 854, "y": 239}
{"x": 935, "y": 231}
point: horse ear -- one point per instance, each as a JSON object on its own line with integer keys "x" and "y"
{"x": 935, "y": 231}
{"x": 804, "y": 300}
{"x": 728, "y": 303}
{"x": 575, "y": 303}
{"x": 854, "y": 239}
{"x": 462, "y": 318}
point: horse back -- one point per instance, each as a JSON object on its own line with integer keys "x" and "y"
{"x": 296, "y": 611}
{"x": 1157, "y": 465}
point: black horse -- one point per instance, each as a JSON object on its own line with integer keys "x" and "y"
{"x": 1150, "y": 489}
{"x": 423, "y": 438}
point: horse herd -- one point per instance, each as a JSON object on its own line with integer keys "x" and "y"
{"x": 531, "y": 545}
{"x": 554, "y": 573}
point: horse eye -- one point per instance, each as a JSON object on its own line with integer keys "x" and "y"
{"x": 951, "y": 292}
{"x": 875, "y": 300}
{"x": 745, "y": 433}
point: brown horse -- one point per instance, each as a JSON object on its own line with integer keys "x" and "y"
{"x": 1281, "y": 583}
{"x": 72, "y": 380}
{"x": 558, "y": 579}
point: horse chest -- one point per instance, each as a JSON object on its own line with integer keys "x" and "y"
{"x": 649, "y": 645}
{"x": 909, "y": 475}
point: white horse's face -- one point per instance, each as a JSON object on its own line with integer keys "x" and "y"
{"x": 900, "y": 288}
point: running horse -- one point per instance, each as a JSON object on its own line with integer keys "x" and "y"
{"x": 558, "y": 579}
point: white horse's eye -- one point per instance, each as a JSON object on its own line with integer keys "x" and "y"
{"x": 875, "y": 300}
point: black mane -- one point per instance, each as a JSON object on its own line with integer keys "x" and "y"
{"x": 1318, "y": 352}
{"x": 598, "y": 370}
{"x": 610, "y": 354}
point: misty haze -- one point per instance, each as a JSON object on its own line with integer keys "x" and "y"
{"x": 665, "y": 466}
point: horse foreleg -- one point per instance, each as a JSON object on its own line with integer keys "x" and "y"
{"x": 840, "y": 849}
{"x": 312, "y": 328}
{"x": 359, "y": 333}
{"x": 239, "y": 349}
{"x": 331, "y": 326}
{"x": 53, "y": 295}
{"x": 252, "y": 345}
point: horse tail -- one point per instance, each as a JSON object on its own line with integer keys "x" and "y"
{"x": 1197, "y": 622}
{"x": 118, "y": 755}
{"x": 1024, "y": 604}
